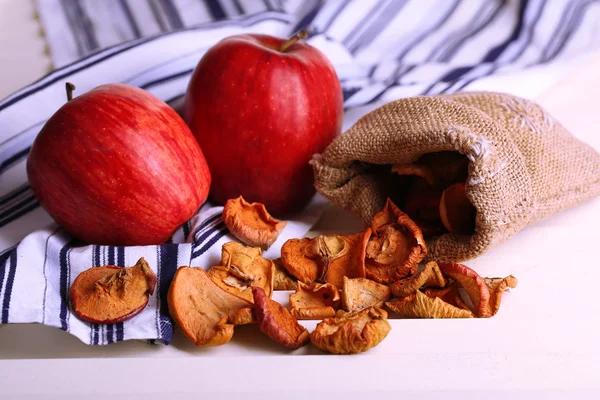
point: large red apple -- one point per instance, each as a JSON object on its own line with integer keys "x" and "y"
{"x": 260, "y": 107}
{"x": 118, "y": 166}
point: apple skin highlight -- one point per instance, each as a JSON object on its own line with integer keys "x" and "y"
{"x": 259, "y": 114}
{"x": 118, "y": 166}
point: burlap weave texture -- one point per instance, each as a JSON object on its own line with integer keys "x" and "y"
{"x": 523, "y": 164}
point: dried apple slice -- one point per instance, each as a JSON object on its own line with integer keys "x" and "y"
{"x": 283, "y": 280}
{"x": 205, "y": 313}
{"x": 277, "y": 322}
{"x": 497, "y": 286}
{"x": 430, "y": 275}
{"x": 418, "y": 305}
{"x": 343, "y": 256}
{"x": 351, "y": 333}
{"x": 313, "y": 313}
{"x": 450, "y": 294}
{"x": 110, "y": 294}
{"x": 326, "y": 258}
{"x": 456, "y": 211}
{"x": 247, "y": 264}
{"x": 300, "y": 259}
{"x": 361, "y": 293}
{"x": 473, "y": 284}
{"x": 232, "y": 280}
{"x": 314, "y": 301}
{"x": 251, "y": 223}
{"x": 396, "y": 246}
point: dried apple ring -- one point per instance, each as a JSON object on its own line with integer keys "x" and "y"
{"x": 251, "y": 223}
{"x": 110, "y": 294}
{"x": 456, "y": 211}
{"x": 396, "y": 245}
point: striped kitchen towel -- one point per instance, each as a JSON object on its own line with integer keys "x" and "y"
{"x": 382, "y": 50}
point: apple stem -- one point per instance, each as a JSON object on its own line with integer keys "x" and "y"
{"x": 303, "y": 34}
{"x": 70, "y": 87}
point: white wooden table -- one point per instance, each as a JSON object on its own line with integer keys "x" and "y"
{"x": 545, "y": 338}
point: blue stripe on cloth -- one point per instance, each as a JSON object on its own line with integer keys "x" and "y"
{"x": 172, "y": 14}
{"x": 10, "y": 280}
{"x": 305, "y": 22}
{"x": 130, "y": 18}
{"x": 423, "y": 35}
{"x": 167, "y": 266}
{"x": 64, "y": 264}
{"x": 19, "y": 212}
{"x": 204, "y": 224}
{"x": 496, "y": 51}
{"x": 573, "y": 25}
{"x": 45, "y": 275}
{"x": 387, "y": 16}
{"x": 207, "y": 234}
{"x": 222, "y": 232}
{"x": 215, "y": 9}
{"x": 19, "y": 193}
{"x": 14, "y": 159}
{"x": 529, "y": 34}
{"x": 121, "y": 262}
{"x": 167, "y": 78}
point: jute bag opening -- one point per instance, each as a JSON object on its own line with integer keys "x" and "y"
{"x": 523, "y": 164}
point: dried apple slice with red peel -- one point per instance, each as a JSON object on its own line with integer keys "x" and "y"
{"x": 111, "y": 294}
{"x": 351, "y": 333}
{"x": 472, "y": 283}
{"x": 203, "y": 311}
{"x": 277, "y": 322}
{"x": 251, "y": 223}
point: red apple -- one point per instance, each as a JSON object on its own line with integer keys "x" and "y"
{"x": 260, "y": 107}
{"x": 118, "y": 166}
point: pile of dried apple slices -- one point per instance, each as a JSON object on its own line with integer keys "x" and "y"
{"x": 345, "y": 281}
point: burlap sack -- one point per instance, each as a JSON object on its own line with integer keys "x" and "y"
{"x": 523, "y": 165}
